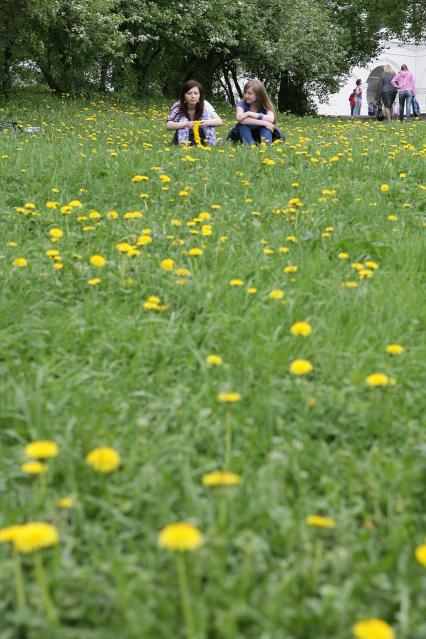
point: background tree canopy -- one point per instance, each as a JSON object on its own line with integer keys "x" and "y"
{"x": 299, "y": 49}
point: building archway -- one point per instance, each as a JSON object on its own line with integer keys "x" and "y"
{"x": 373, "y": 81}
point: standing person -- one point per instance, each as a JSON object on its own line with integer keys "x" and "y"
{"x": 416, "y": 108}
{"x": 191, "y": 108}
{"x": 404, "y": 82}
{"x": 255, "y": 114}
{"x": 386, "y": 92}
{"x": 352, "y": 101}
{"x": 358, "y": 97}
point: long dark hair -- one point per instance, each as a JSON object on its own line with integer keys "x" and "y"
{"x": 199, "y": 107}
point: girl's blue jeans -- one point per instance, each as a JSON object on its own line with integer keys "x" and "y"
{"x": 260, "y": 132}
{"x": 405, "y": 97}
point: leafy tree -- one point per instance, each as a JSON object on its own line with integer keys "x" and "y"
{"x": 13, "y": 28}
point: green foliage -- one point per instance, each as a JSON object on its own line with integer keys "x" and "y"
{"x": 151, "y": 47}
{"x": 89, "y": 365}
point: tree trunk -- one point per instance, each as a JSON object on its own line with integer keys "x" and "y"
{"x": 235, "y": 81}
{"x": 104, "y": 75}
{"x": 5, "y": 78}
{"x": 229, "y": 91}
{"x": 292, "y": 95}
{"x": 48, "y": 77}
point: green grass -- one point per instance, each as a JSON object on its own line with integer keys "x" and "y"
{"x": 88, "y": 365}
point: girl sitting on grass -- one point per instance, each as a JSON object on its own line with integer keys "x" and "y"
{"x": 191, "y": 108}
{"x": 256, "y": 115}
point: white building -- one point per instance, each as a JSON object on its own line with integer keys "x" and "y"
{"x": 394, "y": 54}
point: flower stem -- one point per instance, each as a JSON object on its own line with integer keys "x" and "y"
{"x": 184, "y": 596}
{"x": 40, "y": 573}
{"x": 228, "y": 439}
{"x": 222, "y": 515}
{"x": 316, "y": 568}
{"x": 19, "y": 580}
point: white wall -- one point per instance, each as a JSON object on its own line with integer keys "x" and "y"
{"x": 394, "y": 54}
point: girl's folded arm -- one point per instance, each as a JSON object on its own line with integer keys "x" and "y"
{"x": 240, "y": 114}
{"x": 175, "y": 126}
{"x": 213, "y": 120}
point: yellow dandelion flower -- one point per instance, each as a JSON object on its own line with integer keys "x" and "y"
{"x": 180, "y": 537}
{"x": 167, "y": 264}
{"x": 195, "y": 252}
{"x": 236, "y": 282}
{"x": 421, "y": 554}
{"x": 373, "y": 629}
{"x": 394, "y": 349}
{"x": 35, "y": 536}
{"x": 42, "y": 449}
{"x": 214, "y": 360}
{"x": 112, "y": 215}
{"x": 124, "y": 247}
{"x": 20, "y": 262}
{"x": 290, "y": 269}
{"x": 103, "y": 460}
{"x": 392, "y": 218}
{"x": 229, "y": 398}
{"x": 143, "y": 240}
{"x": 30, "y": 205}
{"x": 65, "y": 503}
{"x": 76, "y": 204}
{"x": 8, "y": 534}
{"x": 165, "y": 178}
{"x": 139, "y": 178}
{"x": 372, "y": 265}
{"x": 94, "y": 281}
{"x": 221, "y": 478}
{"x": 182, "y": 272}
{"x": 34, "y": 468}
{"x": 343, "y": 256}
{"x": 300, "y": 367}
{"x": 320, "y": 522}
{"x": 377, "y": 379}
{"x": 97, "y": 260}
{"x": 52, "y": 204}
{"x": 365, "y": 273}
{"x": 283, "y": 249}
{"x": 301, "y": 328}
{"x": 276, "y": 294}
{"x": 56, "y": 233}
{"x": 384, "y": 188}
{"x": 252, "y": 290}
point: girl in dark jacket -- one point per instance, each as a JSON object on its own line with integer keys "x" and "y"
{"x": 386, "y": 92}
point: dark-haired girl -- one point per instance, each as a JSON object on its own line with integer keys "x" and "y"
{"x": 192, "y": 107}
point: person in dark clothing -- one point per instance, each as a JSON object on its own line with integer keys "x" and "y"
{"x": 386, "y": 91}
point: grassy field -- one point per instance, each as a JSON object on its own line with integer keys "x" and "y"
{"x": 212, "y": 252}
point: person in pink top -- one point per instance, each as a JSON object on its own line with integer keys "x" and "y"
{"x": 404, "y": 82}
